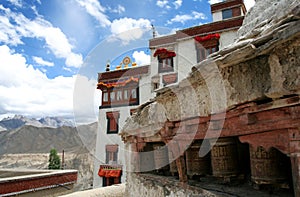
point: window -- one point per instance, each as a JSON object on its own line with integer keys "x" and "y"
{"x": 111, "y": 159}
{"x": 112, "y": 96}
{"x": 155, "y": 86}
{"x": 165, "y": 64}
{"x": 125, "y": 94}
{"x": 111, "y": 154}
{"x": 227, "y": 13}
{"x": 202, "y": 52}
{"x": 119, "y": 95}
{"x": 112, "y": 122}
{"x": 133, "y": 94}
{"x": 105, "y": 97}
{"x": 111, "y": 181}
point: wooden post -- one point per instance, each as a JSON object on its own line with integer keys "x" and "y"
{"x": 180, "y": 162}
{"x": 63, "y": 160}
{"x": 295, "y": 161}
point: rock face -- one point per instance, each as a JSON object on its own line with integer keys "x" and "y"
{"x": 264, "y": 15}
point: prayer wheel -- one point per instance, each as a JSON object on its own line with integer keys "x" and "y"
{"x": 224, "y": 158}
{"x": 161, "y": 157}
{"x": 146, "y": 159}
{"x": 195, "y": 164}
{"x": 173, "y": 168}
{"x": 267, "y": 167}
{"x": 172, "y": 163}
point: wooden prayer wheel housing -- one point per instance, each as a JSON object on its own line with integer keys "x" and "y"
{"x": 195, "y": 164}
{"x": 267, "y": 167}
{"x": 146, "y": 159}
{"x": 161, "y": 157}
{"x": 224, "y": 158}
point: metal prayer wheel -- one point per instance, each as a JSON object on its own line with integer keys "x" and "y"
{"x": 173, "y": 168}
{"x": 224, "y": 158}
{"x": 146, "y": 159}
{"x": 161, "y": 157}
{"x": 172, "y": 162}
{"x": 267, "y": 167}
{"x": 195, "y": 164}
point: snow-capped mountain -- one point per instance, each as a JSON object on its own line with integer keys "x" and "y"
{"x": 18, "y": 121}
{"x": 55, "y": 122}
{"x": 2, "y": 129}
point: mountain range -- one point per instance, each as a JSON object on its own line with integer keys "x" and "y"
{"x": 27, "y": 135}
{"x": 18, "y": 121}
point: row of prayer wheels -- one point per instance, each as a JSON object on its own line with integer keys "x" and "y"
{"x": 267, "y": 166}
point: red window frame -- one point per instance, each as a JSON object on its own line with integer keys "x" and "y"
{"x": 112, "y": 122}
{"x": 165, "y": 64}
{"x": 111, "y": 153}
{"x": 120, "y": 100}
{"x": 205, "y": 48}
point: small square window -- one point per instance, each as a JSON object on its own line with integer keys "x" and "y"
{"x": 165, "y": 64}
{"x": 111, "y": 153}
{"x": 227, "y": 13}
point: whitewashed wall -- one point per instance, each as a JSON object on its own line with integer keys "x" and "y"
{"x": 227, "y": 38}
{"x": 186, "y": 57}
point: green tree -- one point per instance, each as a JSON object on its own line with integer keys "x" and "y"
{"x": 54, "y": 160}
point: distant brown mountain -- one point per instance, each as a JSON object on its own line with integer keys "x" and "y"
{"x": 32, "y": 139}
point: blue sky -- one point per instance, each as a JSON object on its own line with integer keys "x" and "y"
{"x": 46, "y": 45}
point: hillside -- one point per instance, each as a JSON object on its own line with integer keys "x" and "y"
{"x": 31, "y": 139}
{"x": 28, "y": 147}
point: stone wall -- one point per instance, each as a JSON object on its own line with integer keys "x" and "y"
{"x": 156, "y": 186}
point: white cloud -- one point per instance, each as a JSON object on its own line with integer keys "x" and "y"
{"x": 41, "y": 62}
{"x": 95, "y": 9}
{"x": 214, "y": 1}
{"x": 141, "y": 58}
{"x": 28, "y": 91}
{"x": 127, "y": 29}
{"x": 198, "y": 15}
{"x": 17, "y": 3}
{"x": 15, "y": 26}
{"x": 86, "y": 100}
{"x": 162, "y": 3}
{"x": 249, "y": 4}
{"x": 177, "y": 4}
{"x": 186, "y": 17}
{"x": 120, "y": 9}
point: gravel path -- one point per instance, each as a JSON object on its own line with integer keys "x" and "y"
{"x": 111, "y": 191}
